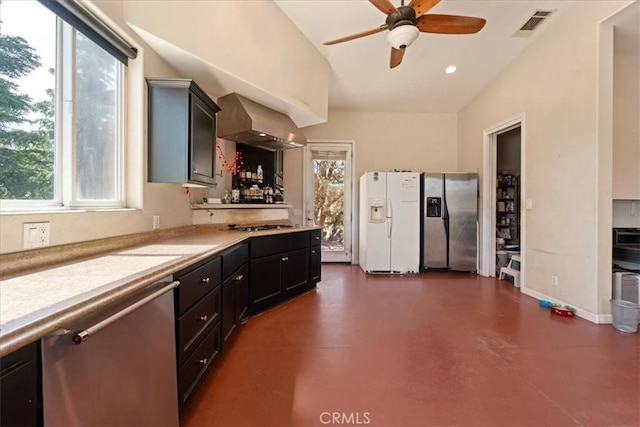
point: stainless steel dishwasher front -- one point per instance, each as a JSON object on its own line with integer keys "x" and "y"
{"x": 116, "y": 367}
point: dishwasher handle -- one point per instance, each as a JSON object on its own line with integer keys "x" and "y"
{"x": 81, "y": 336}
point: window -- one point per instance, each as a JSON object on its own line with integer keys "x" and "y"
{"x": 61, "y": 113}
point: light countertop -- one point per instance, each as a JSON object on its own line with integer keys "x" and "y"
{"x": 241, "y": 206}
{"x": 34, "y": 305}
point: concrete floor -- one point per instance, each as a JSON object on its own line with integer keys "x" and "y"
{"x": 426, "y": 350}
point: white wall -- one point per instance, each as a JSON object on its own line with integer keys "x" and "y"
{"x": 626, "y": 127}
{"x": 383, "y": 141}
{"x": 250, "y": 47}
{"x": 554, "y": 82}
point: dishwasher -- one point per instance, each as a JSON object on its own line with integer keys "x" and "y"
{"x": 116, "y": 367}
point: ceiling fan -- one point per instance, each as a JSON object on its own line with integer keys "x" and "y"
{"x": 406, "y": 22}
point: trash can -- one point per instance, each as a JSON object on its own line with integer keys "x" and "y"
{"x": 625, "y": 315}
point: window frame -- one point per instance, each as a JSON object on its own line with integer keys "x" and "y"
{"x": 64, "y": 165}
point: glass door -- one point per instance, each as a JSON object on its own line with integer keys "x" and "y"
{"x": 328, "y": 197}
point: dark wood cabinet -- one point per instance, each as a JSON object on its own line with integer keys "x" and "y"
{"x": 234, "y": 288}
{"x": 314, "y": 265}
{"x": 242, "y": 292}
{"x": 195, "y": 367}
{"x": 279, "y": 268}
{"x": 295, "y": 272}
{"x": 228, "y": 308}
{"x": 182, "y": 132}
{"x": 315, "y": 257}
{"x": 19, "y": 387}
{"x": 234, "y": 298}
{"x": 265, "y": 286}
{"x": 198, "y": 303}
{"x": 198, "y": 322}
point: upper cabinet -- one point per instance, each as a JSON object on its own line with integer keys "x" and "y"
{"x": 182, "y": 132}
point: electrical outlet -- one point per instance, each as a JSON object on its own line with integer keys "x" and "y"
{"x": 35, "y": 234}
{"x": 156, "y": 222}
{"x": 554, "y": 280}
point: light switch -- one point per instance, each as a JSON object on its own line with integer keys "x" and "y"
{"x": 35, "y": 235}
{"x": 528, "y": 204}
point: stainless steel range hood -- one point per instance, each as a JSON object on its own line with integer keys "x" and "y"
{"x": 247, "y": 122}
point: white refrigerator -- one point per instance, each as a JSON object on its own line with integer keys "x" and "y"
{"x": 390, "y": 222}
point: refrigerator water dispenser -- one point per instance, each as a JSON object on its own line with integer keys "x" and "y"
{"x": 376, "y": 210}
{"x": 434, "y": 207}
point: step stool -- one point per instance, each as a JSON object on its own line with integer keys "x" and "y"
{"x": 512, "y": 271}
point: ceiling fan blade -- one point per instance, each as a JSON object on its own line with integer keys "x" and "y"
{"x": 385, "y": 6}
{"x": 449, "y": 24}
{"x": 358, "y": 35}
{"x": 422, "y": 6}
{"x": 396, "y": 57}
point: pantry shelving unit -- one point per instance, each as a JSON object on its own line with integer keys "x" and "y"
{"x": 508, "y": 207}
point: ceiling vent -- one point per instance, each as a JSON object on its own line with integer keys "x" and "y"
{"x": 533, "y": 22}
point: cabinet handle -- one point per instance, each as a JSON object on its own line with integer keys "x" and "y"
{"x": 286, "y": 258}
{"x": 203, "y": 361}
{"x": 205, "y": 280}
{"x": 316, "y": 237}
{"x": 239, "y": 277}
{"x": 204, "y": 318}
{"x": 313, "y": 251}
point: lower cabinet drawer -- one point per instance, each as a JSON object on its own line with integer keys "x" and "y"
{"x": 196, "y": 283}
{"x": 195, "y": 323}
{"x": 197, "y": 364}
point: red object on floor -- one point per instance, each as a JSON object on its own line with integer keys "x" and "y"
{"x": 421, "y": 350}
{"x": 563, "y": 311}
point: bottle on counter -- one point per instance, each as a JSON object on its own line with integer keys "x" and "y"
{"x": 226, "y": 198}
{"x": 259, "y": 173}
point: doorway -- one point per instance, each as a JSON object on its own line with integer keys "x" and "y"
{"x": 508, "y": 153}
{"x": 503, "y": 196}
{"x": 328, "y": 197}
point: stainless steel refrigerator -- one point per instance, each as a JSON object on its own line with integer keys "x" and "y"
{"x": 449, "y": 221}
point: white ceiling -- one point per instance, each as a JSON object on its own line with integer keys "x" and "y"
{"x": 360, "y": 76}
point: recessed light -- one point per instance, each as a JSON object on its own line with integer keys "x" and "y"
{"x": 263, "y": 134}
{"x": 451, "y": 69}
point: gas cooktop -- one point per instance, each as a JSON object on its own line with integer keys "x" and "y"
{"x": 260, "y": 227}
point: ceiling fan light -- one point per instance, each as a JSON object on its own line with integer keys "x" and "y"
{"x": 403, "y": 36}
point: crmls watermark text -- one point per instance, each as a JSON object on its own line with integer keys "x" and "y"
{"x": 345, "y": 418}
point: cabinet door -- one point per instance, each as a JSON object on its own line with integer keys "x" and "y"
{"x": 264, "y": 282}
{"x": 315, "y": 264}
{"x": 295, "y": 271}
{"x": 242, "y": 292}
{"x": 19, "y": 387}
{"x": 203, "y": 140}
{"x": 228, "y": 307}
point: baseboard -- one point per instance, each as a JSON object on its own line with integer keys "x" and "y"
{"x": 584, "y": 314}
{"x": 605, "y": 319}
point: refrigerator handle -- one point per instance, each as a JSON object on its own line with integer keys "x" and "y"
{"x": 389, "y": 218}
